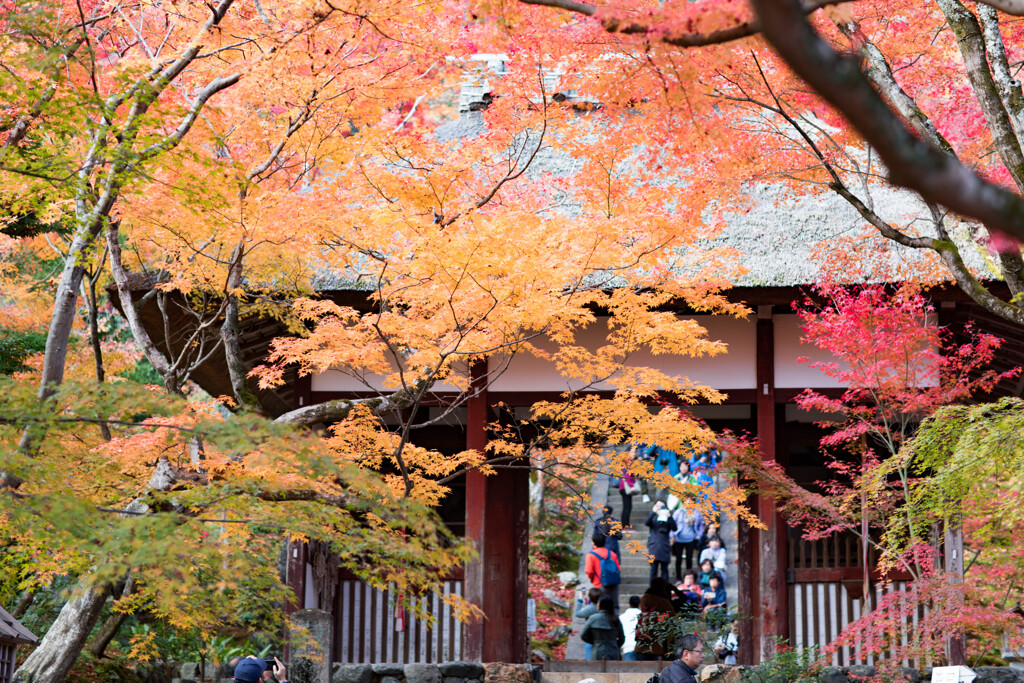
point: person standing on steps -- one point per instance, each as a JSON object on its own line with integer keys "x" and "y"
{"x": 659, "y": 544}
{"x": 583, "y": 611}
{"x": 629, "y": 486}
{"x": 689, "y": 527}
{"x": 604, "y": 631}
{"x": 602, "y": 568}
{"x": 684, "y": 669}
{"x": 611, "y": 528}
{"x": 629, "y": 620}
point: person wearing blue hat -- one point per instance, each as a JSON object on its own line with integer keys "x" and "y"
{"x": 252, "y": 669}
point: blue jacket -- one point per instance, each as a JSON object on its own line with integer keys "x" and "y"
{"x": 666, "y": 460}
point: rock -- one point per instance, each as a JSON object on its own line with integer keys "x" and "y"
{"x": 558, "y": 632}
{"x": 353, "y": 673}
{"x": 422, "y": 673}
{"x": 831, "y": 674}
{"x": 190, "y": 671}
{"x": 533, "y": 671}
{"x": 454, "y": 679}
{"x": 713, "y": 672}
{"x": 499, "y": 672}
{"x": 860, "y": 671}
{"x": 396, "y": 670}
{"x": 568, "y": 578}
{"x": 390, "y": 679}
{"x": 734, "y": 674}
{"x": 550, "y": 596}
{"x": 997, "y": 674}
{"x": 462, "y": 669}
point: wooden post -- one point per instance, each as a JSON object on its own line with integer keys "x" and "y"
{"x": 953, "y": 533}
{"x": 769, "y": 578}
{"x": 498, "y": 523}
{"x": 746, "y": 599}
{"x": 295, "y": 578}
{"x": 953, "y": 544}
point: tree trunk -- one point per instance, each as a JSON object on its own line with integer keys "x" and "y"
{"x": 63, "y": 642}
{"x": 24, "y": 603}
{"x": 98, "y": 645}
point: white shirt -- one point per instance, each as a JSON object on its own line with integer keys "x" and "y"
{"x": 729, "y": 642}
{"x": 629, "y": 619}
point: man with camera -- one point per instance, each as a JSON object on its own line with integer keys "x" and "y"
{"x": 727, "y": 645}
{"x": 252, "y": 669}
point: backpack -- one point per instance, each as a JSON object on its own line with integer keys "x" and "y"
{"x": 610, "y": 574}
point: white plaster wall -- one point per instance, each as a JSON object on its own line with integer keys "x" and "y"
{"x": 732, "y": 370}
{"x": 790, "y": 374}
{"x": 340, "y": 380}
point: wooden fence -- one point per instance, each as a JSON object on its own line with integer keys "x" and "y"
{"x": 825, "y": 594}
{"x": 372, "y": 627}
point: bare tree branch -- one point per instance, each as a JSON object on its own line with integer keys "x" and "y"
{"x": 912, "y": 162}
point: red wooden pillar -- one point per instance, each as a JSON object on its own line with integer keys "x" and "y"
{"x": 498, "y": 523}
{"x": 295, "y": 574}
{"x": 768, "y": 613}
{"x": 295, "y": 578}
{"x": 746, "y": 598}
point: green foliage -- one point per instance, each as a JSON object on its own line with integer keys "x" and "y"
{"x": 88, "y": 669}
{"x": 559, "y": 540}
{"x": 785, "y": 664}
{"x": 670, "y": 628}
{"x": 28, "y": 225}
{"x": 16, "y": 346}
{"x": 144, "y": 373}
{"x": 156, "y": 640}
{"x": 204, "y": 550}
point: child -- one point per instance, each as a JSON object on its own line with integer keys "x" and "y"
{"x": 706, "y": 570}
{"x": 716, "y": 553}
{"x": 714, "y": 601}
{"x": 690, "y": 593}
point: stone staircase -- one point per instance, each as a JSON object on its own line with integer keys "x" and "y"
{"x": 636, "y": 570}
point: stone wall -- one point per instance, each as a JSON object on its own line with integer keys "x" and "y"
{"x": 448, "y": 672}
{"x": 719, "y": 673}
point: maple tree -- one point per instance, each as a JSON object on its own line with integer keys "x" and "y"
{"x": 176, "y": 150}
{"x": 890, "y": 485}
{"x": 852, "y": 100}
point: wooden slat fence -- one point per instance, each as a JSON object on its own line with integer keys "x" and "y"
{"x": 822, "y": 576}
{"x": 372, "y": 628}
{"x": 820, "y": 610}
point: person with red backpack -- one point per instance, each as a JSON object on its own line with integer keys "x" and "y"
{"x": 602, "y": 568}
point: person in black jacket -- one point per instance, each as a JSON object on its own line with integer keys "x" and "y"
{"x": 658, "y": 544}
{"x": 684, "y": 669}
{"x": 611, "y": 529}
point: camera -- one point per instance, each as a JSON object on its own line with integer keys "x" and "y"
{"x": 269, "y": 661}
